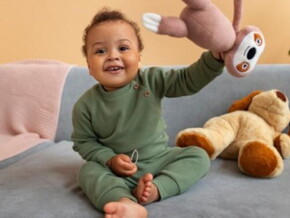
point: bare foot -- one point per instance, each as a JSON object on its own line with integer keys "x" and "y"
{"x": 146, "y": 192}
{"x": 125, "y": 208}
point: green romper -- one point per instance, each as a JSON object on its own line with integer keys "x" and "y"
{"x": 128, "y": 119}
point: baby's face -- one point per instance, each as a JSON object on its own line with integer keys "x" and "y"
{"x": 113, "y": 54}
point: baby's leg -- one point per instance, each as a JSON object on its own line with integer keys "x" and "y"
{"x": 102, "y": 186}
{"x": 125, "y": 208}
{"x": 183, "y": 168}
{"x": 146, "y": 191}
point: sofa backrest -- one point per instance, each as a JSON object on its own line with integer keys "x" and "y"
{"x": 77, "y": 82}
{"x": 184, "y": 112}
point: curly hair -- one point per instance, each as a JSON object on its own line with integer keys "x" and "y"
{"x": 110, "y": 15}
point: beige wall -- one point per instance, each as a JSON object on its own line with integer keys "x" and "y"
{"x": 53, "y": 29}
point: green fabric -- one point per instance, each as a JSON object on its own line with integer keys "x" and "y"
{"x": 107, "y": 123}
{"x": 174, "y": 169}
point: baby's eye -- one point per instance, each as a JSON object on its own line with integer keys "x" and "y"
{"x": 100, "y": 51}
{"x": 124, "y": 48}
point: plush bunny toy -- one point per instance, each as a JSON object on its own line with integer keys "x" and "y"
{"x": 251, "y": 133}
{"x": 204, "y": 24}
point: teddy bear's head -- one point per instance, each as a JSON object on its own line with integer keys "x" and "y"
{"x": 272, "y": 106}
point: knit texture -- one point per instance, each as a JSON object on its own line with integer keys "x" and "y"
{"x": 30, "y": 95}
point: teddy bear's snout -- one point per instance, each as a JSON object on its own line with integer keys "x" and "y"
{"x": 281, "y": 96}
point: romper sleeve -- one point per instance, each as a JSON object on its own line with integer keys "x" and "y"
{"x": 185, "y": 81}
{"x": 85, "y": 139}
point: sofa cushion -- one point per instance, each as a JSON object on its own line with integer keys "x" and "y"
{"x": 43, "y": 184}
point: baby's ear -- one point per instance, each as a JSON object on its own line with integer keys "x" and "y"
{"x": 244, "y": 103}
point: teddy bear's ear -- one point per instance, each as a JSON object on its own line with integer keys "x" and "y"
{"x": 244, "y": 103}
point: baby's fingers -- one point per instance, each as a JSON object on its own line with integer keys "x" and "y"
{"x": 130, "y": 170}
{"x": 128, "y": 165}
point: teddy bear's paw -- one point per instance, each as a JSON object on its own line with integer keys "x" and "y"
{"x": 282, "y": 144}
{"x": 259, "y": 160}
{"x": 152, "y": 21}
{"x": 193, "y": 138}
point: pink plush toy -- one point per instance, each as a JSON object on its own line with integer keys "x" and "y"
{"x": 204, "y": 24}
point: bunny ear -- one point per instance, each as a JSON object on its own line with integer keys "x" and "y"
{"x": 244, "y": 103}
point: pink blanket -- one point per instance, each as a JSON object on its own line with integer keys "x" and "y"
{"x": 30, "y": 95}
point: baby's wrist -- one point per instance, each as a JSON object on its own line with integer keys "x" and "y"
{"x": 217, "y": 56}
{"x": 109, "y": 162}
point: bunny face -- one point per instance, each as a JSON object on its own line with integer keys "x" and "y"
{"x": 273, "y": 107}
{"x": 242, "y": 58}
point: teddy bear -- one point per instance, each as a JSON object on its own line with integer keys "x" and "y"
{"x": 251, "y": 133}
{"x": 205, "y": 25}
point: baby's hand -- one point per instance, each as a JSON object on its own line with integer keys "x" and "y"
{"x": 217, "y": 55}
{"x": 122, "y": 165}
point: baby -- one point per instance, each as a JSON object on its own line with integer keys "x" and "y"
{"x": 118, "y": 124}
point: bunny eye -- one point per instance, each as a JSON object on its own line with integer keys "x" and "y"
{"x": 243, "y": 67}
{"x": 258, "y": 39}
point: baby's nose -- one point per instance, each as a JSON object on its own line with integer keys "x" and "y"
{"x": 113, "y": 55}
{"x": 112, "y": 58}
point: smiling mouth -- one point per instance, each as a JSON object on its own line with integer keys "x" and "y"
{"x": 114, "y": 69}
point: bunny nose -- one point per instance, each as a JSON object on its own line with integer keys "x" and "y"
{"x": 251, "y": 53}
{"x": 281, "y": 96}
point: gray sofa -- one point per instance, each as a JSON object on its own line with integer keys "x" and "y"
{"x": 41, "y": 182}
